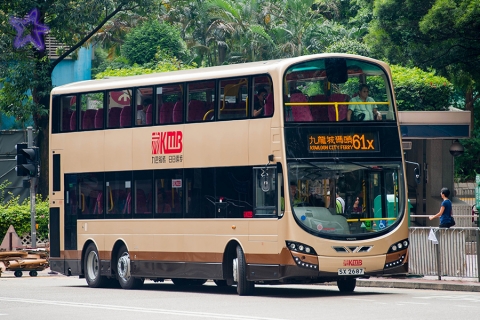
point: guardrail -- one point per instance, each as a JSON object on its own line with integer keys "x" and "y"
{"x": 454, "y": 255}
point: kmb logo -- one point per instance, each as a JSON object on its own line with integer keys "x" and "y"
{"x": 352, "y": 263}
{"x": 167, "y": 142}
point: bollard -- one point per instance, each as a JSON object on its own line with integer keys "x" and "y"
{"x": 10, "y": 245}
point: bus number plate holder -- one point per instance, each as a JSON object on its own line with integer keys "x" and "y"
{"x": 351, "y": 271}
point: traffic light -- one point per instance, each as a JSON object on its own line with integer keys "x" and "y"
{"x": 27, "y": 160}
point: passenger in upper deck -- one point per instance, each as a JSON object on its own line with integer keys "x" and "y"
{"x": 141, "y": 113}
{"x": 259, "y": 102}
{"x": 361, "y": 112}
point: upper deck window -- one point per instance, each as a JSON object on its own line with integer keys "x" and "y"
{"x": 169, "y": 104}
{"x": 119, "y": 109}
{"x": 233, "y": 95}
{"x": 201, "y": 99}
{"x": 91, "y": 111}
{"x": 337, "y": 89}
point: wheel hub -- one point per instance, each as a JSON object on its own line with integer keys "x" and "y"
{"x": 92, "y": 265}
{"x": 123, "y": 266}
{"x": 235, "y": 269}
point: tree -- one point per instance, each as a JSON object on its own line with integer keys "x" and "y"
{"x": 25, "y": 72}
{"x": 439, "y": 34}
{"x": 142, "y": 43}
{"x": 163, "y": 63}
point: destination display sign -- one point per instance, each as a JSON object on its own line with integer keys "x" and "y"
{"x": 343, "y": 142}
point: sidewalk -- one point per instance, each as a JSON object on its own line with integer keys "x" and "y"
{"x": 43, "y": 273}
{"x": 427, "y": 282}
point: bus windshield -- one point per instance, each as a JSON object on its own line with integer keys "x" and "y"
{"x": 345, "y": 197}
{"x": 337, "y": 89}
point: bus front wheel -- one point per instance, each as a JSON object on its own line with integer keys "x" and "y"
{"x": 92, "y": 268}
{"x": 346, "y": 285}
{"x": 124, "y": 271}
{"x": 244, "y": 287}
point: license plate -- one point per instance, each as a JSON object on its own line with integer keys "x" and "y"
{"x": 351, "y": 272}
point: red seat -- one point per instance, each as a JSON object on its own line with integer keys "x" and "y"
{"x": 178, "y": 112}
{"x": 148, "y": 114}
{"x": 196, "y": 110}
{"x": 166, "y": 113}
{"x": 126, "y": 117}
{"x": 300, "y": 113}
{"x": 114, "y": 117}
{"x": 66, "y": 116}
{"x": 118, "y": 198}
{"x": 269, "y": 105}
{"x": 88, "y": 119}
{"x": 175, "y": 205}
{"x": 342, "y": 108}
{"x": 73, "y": 121}
{"x": 319, "y": 113}
{"x": 141, "y": 202}
{"x": 99, "y": 119}
{"x": 99, "y": 204}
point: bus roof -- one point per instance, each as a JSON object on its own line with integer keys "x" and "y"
{"x": 199, "y": 74}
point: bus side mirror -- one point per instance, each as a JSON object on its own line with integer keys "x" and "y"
{"x": 416, "y": 171}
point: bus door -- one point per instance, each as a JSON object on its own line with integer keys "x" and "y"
{"x": 73, "y": 204}
{"x": 265, "y": 192}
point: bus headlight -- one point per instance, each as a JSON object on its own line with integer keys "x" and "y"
{"x": 300, "y": 247}
{"x": 401, "y": 245}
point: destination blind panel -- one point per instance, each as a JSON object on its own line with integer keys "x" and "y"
{"x": 343, "y": 142}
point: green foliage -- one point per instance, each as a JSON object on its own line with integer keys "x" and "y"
{"x": 163, "y": 63}
{"x": 17, "y": 84}
{"x": 142, "y": 43}
{"x": 417, "y": 90}
{"x": 17, "y": 214}
{"x": 466, "y": 165}
{"x": 349, "y": 46}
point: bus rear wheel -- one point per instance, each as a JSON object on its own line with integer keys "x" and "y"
{"x": 346, "y": 285}
{"x": 92, "y": 268}
{"x": 244, "y": 287}
{"x": 124, "y": 271}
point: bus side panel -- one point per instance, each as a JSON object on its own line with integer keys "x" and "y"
{"x": 57, "y": 262}
{"x": 55, "y": 232}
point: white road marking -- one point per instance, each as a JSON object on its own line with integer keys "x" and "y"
{"x": 137, "y": 309}
{"x": 463, "y": 306}
{"x": 453, "y": 297}
{"x": 359, "y": 299}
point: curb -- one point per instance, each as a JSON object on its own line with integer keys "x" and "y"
{"x": 419, "y": 285}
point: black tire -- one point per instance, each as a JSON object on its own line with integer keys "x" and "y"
{"x": 346, "y": 285}
{"x": 18, "y": 273}
{"x": 123, "y": 271}
{"x": 244, "y": 287}
{"x": 91, "y": 265}
{"x": 33, "y": 273}
{"x": 188, "y": 282}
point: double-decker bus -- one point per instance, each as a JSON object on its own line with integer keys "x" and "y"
{"x": 271, "y": 172}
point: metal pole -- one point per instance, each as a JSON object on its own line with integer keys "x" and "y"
{"x": 33, "y": 224}
{"x": 478, "y": 253}
{"x": 439, "y": 263}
